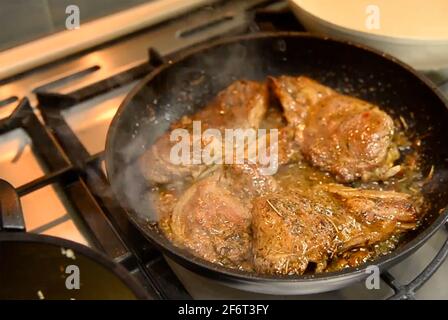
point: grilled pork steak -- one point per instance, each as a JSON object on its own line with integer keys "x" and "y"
{"x": 381, "y": 214}
{"x": 241, "y": 105}
{"x": 349, "y": 138}
{"x": 296, "y": 95}
{"x": 290, "y": 230}
{"x": 346, "y": 136}
{"x": 212, "y": 222}
{"x": 295, "y": 228}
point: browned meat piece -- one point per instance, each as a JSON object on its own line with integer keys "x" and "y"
{"x": 296, "y": 95}
{"x": 349, "y": 138}
{"x": 157, "y": 167}
{"x": 345, "y": 136}
{"x": 242, "y": 105}
{"x": 292, "y": 229}
{"x": 248, "y": 182}
{"x": 380, "y": 214}
{"x": 212, "y": 222}
{"x": 288, "y": 149}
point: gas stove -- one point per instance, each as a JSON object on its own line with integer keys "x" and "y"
{"x": 54, "y": 120}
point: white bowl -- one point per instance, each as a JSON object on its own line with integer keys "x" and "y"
{"x": 414, "y": 31}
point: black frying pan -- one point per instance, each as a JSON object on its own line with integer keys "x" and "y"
{"x": 36, "y": 266}
{"x": 183, "y": 86}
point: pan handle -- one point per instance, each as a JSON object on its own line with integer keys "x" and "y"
{"x": 11, "y": 217}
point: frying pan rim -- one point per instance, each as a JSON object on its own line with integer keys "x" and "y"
{"x": 181, "y": 254}
{"x": 119, "y": 271}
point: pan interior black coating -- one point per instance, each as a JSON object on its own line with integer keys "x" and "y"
{"x": 185, "y": 85}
